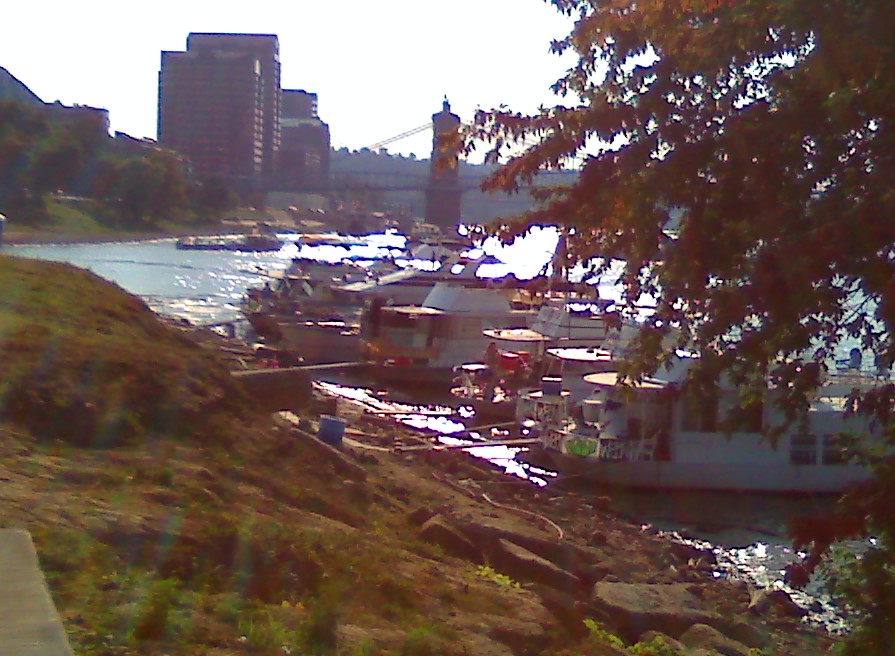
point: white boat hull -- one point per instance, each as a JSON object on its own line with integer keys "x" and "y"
{"x": 728, "y": 477}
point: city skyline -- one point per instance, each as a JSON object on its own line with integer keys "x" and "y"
{"x": 379, "y": 69}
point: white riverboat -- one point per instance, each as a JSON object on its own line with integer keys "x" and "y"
{"x": 297, "y": 310}
{"x": 562, "y": 321}
{"x": 411, "y": 286}
{"x": 422, "y": 344}
{"x": 648, "y": 437}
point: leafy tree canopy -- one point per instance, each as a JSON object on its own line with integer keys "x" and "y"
{"x": 738, "y": 154}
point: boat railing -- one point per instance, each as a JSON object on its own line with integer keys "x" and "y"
{"x": 546, "y": 409}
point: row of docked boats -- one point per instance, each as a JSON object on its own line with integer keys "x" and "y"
{"x": 550, "y": 362}
{"x": 340, "y": 312}
{"x": 261, "y": 238}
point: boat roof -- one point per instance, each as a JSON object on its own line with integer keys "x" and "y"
{"x": 329, "y": 238}
{"x": 413, "y": 310}
{"x": 516, "y": 335}
{"x": 457, "y": 299}
{"x": 610, "y": 379}
{"x": 580, "y": 354}
{"x": 466, "y": 300}
{"x": 413, "y": 275}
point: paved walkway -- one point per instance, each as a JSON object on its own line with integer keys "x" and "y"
{"x": 29, "y": 623}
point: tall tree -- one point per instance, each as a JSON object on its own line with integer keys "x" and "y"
{"x": 739, "y": 156}
{"x": 144, "y": 188}
{"x": 211, "y": 198}
{"x": 23, "y": 130}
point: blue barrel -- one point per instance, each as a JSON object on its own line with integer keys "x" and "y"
{"x": 551, "y": 386}
{"x": 331, "y": 430}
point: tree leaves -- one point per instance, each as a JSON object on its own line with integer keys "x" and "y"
{"x": 762, "y": 133}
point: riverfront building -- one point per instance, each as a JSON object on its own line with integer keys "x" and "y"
{"x": 219, "y": 105}
{"x": 303, "y": 163}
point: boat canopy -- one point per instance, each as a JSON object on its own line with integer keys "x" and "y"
{"x": 580, "y": 354}
{"x": 526, "y": 335}
{"x": 610, "y": 379}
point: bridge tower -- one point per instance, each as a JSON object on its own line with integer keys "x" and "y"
{"x": 443, "y": 188}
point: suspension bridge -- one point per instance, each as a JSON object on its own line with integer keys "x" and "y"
{"x": 442, "y": 181}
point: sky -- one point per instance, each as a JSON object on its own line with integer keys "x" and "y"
{"x": 379, "y": 67}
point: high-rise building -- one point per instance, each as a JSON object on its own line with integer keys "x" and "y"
{"x": 303, "y": 163}
{"x": 219, "y": 105}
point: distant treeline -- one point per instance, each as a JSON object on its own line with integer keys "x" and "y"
{"x": 129, "y": 186}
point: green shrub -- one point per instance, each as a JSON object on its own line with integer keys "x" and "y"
{"x": 420, "y": 642}
{"x": 658, "y": 646}
{"x": 152, "y": 620}
{"x": 494, "y": 576}
{"x": 265, "y": 631}
{"x": 319, "y": 629}
{"x": 597, "y": 631}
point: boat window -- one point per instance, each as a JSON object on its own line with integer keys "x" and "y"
{"x": 700, "y": 414}
{"x": 803, "y": 450}
{"x": 833, "y": 451}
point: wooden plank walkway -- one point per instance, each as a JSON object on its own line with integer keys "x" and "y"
{"x": 29, "y": 622}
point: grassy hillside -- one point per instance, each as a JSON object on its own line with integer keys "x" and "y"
{"x": 170, "y": 518}
{"x": 83, "y": 361}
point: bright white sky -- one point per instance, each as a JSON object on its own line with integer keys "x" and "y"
{"x": 379, "y": 67}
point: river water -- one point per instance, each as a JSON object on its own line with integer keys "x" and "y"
{"x": 748, "y": 534}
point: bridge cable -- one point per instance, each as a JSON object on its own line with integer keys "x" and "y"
{"x": 398, "y": 137}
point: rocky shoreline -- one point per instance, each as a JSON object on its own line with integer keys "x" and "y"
{"x": 573, "y": 551}
{"x": 571, "y": 555}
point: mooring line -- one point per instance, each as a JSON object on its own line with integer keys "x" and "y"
{"x": 546, "y": 520}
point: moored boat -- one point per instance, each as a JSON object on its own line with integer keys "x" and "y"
{"x": 414, "y": 344}
{"x": 411, "y": 286}
{"x": 491, "y": 389}
{"x": 651, "y": 436}
{"x": 248, "y": 243}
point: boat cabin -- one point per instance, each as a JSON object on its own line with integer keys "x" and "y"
{"x": 447, "y": 330}
{"x": 654, "y": 435}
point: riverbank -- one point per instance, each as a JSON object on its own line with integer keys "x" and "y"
{"x": 85, "y": 230}
{"x": 172, "y": 515}
{"x": 40, "y": 237}
{"x": 33, "y": 237}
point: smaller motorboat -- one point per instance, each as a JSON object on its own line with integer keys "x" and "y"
{"x": 248, "y": 243}
{"x": 492, "y": 390}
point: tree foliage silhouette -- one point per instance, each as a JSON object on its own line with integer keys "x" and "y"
{"x": 739, "y": 157}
